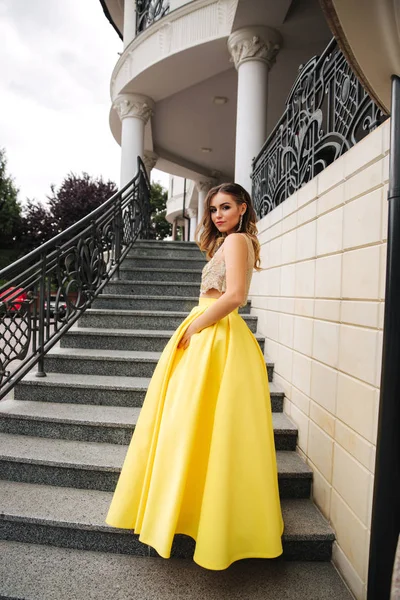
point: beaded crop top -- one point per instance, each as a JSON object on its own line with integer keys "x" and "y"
{"x": 214, "y": 272}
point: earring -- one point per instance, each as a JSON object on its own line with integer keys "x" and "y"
{"x": 240, "y": 223}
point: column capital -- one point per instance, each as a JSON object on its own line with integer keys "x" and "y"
{"x": 150, "y": 160}
{"x": 205, "y": 185}
{"x": 254, "y": 43}
{"x": 191, "y": 212}
{"x": 134, "y": 105}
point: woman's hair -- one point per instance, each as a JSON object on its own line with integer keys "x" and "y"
{"x": 211, "y": 238}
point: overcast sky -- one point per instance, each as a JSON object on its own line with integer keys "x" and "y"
{"x": 56, "y": 59}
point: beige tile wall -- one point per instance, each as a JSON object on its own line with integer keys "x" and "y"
{"x": 320, "y": 306}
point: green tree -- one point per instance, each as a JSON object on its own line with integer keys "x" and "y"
{"x": 158, "y": 200}
{"x": 10, "y": 209}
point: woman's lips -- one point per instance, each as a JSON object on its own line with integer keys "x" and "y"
{"x": 219, "y": 222}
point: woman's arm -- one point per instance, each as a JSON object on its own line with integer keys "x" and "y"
{"x": 235, "y": 254}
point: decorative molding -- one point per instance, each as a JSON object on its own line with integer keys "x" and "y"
{"x": 204, "y": 185}
{"x": 150, "y": 161}
{"x": 134, "y": 105}
{"x": 191, "y": 212}
{"x": 254, "y": 43}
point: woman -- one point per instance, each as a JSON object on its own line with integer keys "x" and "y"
{"x": 202, "y": 461}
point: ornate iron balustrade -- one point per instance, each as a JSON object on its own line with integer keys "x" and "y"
{"x": 327, "y": 112}
{"x": 148, "y": 12}
{"x": 50, "y": 288}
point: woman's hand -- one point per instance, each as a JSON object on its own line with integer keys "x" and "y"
{"x": 185, "y": 339}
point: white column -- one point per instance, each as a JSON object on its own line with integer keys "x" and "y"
{"x": 253, "y": 50}
{"x": 129, "y": 21}
{"x": 192, "y": 213}
{"x": 134, "y": 111}
{"x": 203, "y": 187}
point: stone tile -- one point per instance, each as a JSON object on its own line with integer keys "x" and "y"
{"x": 361, "y": 313}
{"x": 289, "y": 205}
{"x": 385, "y": 212}
{"x": 286, "y": 326}
{"x": 272, "y": 325}
{"x": 385, "y": 135}
{"x": 360, "y": 276}
{"x": 328, "y": 276}
{"x": 327, "y": 310}
{"x": 355, "y": 445}
{"x": 300, "y": 400}
{"x": 304, "y": 307}
{"x": 385, "y": 169}
{"x": 330, "y": 200}
{"x": 306, "y": 241}
{"x": 382, "y": 267}
{"x": 326, "y": 342}
{"x": 286, "y": 305}
{"x": 368, "y": 150}
{"x": 289, "y": 223}
{"x": 275, "y": 215}
{"x": 352, "y": 481}
{"x": 283, "y": 362}
{"x": 284, "y": 384}
{"x": 305, "y": 279}
{"x": 301, "y": 373}
{"x": 365, "y": 181}
{"x": 320, "y": 450}
{"x": 324, "y": 386}
{"x": 321, "y": 491}
{"x": 273, "y": 283}
{"x": 379, "y": 349}
{"x": 307, "y": 192}
{"x": 289, "y": 247}
{"x": 330, "y": 232}
{"x": 275, "y": 252}
{"x": 362, "y": 220}
{"x": 303, "y": 335}
{"x": 331, "y": 176}
{"x": 307, "y": 213}
{"x": 302, "y": 422}
{"x": 288, "y": 280}
{"x": 322, "y": 418}
{"x": 356, "y": 405}
{"x": 358, "y": 352}
{"x": 348, "y": 573}
{"x": 351, "y": 534}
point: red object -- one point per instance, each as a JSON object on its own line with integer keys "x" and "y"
{"x": 15, "y": 296}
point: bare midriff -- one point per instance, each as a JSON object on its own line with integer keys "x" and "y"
{"x": 212, "y": 293}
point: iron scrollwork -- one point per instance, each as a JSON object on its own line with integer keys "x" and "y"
{"x": 327, "y": 112}
{"x": 148, "y": 12}
{"x": 47, "y": 291}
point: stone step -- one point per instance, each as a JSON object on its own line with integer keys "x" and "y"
{"x": 141, "y": 319}
{"x": 74, "y": 518}
{"x": 166, "y": 252}
{"x": 152, "y": 288}
{"x": 96, "y": 466}
{"x": 38, "y": 572}
{"x": 99, "y": 390}
{"x": 97, "y": 423}
{"x": 174, "y": 303}
{"x": 172, "y": 276}
{"x": 125, "y": 363}
{"x": 164, "y": 262}
{"x": 157, "y": 244}
{"x": 130, "y": 339}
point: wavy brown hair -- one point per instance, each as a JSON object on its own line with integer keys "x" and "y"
{"x": 211, "y": 239}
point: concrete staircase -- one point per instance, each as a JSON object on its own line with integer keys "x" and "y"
{"x": 63, "y": 440}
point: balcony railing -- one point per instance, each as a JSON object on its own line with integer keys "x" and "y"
{"x": 148, "y": 12}
{"x": 50, "y": 288}
{"x": 326, "y": 113}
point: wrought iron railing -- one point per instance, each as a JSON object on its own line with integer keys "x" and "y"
{"x": 326, "y": 113}
{"x": 148, "y": 12}
{"x": 50, "y": 288}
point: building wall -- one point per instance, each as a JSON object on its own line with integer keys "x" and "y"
{"x": 320, "y": 306}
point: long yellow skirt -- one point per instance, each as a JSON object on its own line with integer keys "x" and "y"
{"x": 202, "y": 461}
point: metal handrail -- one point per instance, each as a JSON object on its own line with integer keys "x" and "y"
{"x": 49, "y": 289}
{"x": 326, "y": 113}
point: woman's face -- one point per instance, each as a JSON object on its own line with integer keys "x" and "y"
{"x": 225, "y": 212}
